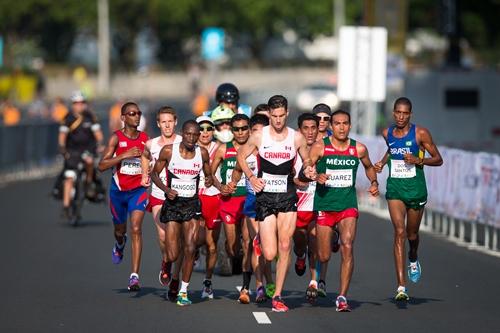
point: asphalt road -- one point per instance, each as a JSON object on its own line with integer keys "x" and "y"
{"x": 57, "y": 278}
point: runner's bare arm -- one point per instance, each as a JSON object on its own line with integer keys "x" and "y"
{"x": 108, "y": 161}
{"x": 424, "y": 139}
{"x": 244, "y": 151}
{"x": 370, "y": 172}
{"x": 218, "y": 157}
{"x": 146, "y": 164}
{"x": 308, "y": 168}
{"x": 206, "y": 167}
{"x": 160, "y": 164}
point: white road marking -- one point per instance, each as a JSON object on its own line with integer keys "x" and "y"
{"x": 261, "y": 318}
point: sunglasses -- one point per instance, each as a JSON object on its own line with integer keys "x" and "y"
{"x": 206, "y": 128}
{"x": 133, "y": 113}
{"x": 324, "y": 118}
{"x": 242, "y": 128}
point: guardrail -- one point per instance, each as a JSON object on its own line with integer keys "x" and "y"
{"x": 464, "y": 196}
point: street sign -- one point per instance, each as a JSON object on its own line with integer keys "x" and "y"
{"x": 212, "y": 43}
{"x": 362, "y": 64}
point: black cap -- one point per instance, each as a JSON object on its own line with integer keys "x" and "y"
{"x": 322, "y": 108}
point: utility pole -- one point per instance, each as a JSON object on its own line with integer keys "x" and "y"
{"x": 104, "y": 46}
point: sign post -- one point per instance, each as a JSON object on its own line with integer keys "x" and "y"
{"x": 362, "y": 74}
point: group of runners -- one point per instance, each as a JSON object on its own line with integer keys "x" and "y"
{"x": 271, "y": 188}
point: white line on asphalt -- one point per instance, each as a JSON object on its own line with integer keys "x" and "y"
{"x": 261, "y": 318}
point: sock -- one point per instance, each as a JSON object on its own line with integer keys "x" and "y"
{"x": 401, "y": 288}
{"x": 246, "y": 280}
{"x": 134, "y": 274}
{"x": 184, "y": 287}
{"x": 122, "y": 245}
{"x": 314, "y": 283}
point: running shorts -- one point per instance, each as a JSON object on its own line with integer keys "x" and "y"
{"x": 249, "y": 206}
{"x": 268, "y": 204}
{"x": 180, "y": 210}
{"x": 154, "y": 201}
{"x": 330, "y": 218}
{"x": 210, "y": 205}
{"x": 304, "y": 219}
{"x": 123, "y": 203}
{"x": 231, "y": 209}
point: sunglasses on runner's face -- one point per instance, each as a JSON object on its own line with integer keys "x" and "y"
{"x": 242, "y": 128}
{"x": 206, "y": 128}
{"x": 133, "y": 113}
{"x": 324, "y": 118}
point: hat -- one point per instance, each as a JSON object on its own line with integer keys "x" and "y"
{"x": 322, "y": 108}
{"x": 204, "y": 119}
{"x": 77, "y": 96}
{"x": 221, "y": 114}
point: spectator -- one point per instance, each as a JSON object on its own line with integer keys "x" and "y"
{"x": 58, "y": 110}
{"x": 10, "y": 113}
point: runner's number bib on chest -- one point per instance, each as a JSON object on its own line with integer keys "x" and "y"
{"x": 339, "y": 178}
{"x": 399, "y": 169}
{"x": 131, "y": 166}
{"x": 275, "y": 183}
{"x": 186, "y": 188}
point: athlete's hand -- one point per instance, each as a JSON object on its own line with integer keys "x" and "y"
{"x": 257, "y": 184}
{"x": 411, "y": 159}
{"x": 171, "y": 194}
{"x": 310, "y": 172}
{"x": 321, "y": 178}
{"x": 209, "y": 181}
{"x": 132, "y": 152}
{"x": 379, "y": 166}
{"x": 373, "y": 190}
{"x": 300, "y": 185}
{"x": 228, "y": 189}
{"x": 145, "y": 180}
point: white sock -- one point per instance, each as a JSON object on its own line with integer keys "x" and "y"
{"x": 134, "y": 274}
{"x": 314, "y": 282}
{"x": 401, "y": 288}
{"x": 184, "y": 287}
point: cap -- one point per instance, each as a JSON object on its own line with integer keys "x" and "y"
{"x": 204, "y": 119}
{"x": 322, "y": 108}
{"x": 77, "y": 96}
{"x": 221, "y": 113}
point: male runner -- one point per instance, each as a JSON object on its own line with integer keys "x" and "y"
{"x": 324, "y": 113}
{"x": 181, "y": 210}
{"x": 406, "y": 192}
{"x": 210, "y": 202}
{"x": 166, "y": 120}
{"x": 233, "y": 198}
{"x": 304, "y": 237}
{"x": 337, "y": 158}
{"x": 127, "y": 195}
{"x": 276, "y": 202}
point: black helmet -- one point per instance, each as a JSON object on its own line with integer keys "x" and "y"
{"x": 227, "y": 92}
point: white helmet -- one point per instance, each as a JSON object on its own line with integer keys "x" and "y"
{"x": 78, "y": 96}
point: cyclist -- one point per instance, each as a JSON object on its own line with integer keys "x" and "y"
{"x": 80, "y": 138}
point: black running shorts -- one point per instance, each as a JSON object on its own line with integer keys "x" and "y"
{"x": 267, "y": 204}
{"x": 180, "y": 210}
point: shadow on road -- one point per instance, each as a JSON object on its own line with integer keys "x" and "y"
{"x": 413, "y": 301}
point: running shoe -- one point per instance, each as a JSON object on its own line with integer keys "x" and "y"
{"x": 414, "y": 271}
{"x": 256, "y": 245}
{"x": 244, "y": 297}
{"x": 335, "y": 241}
{"x": 312, "y": 292}
{"x": 270, "y": 289}
{"x": 300, "y": 265}
{"x": 133, "y": 282}
{"x": 117, "y": 253}
{"x": 321, "y": 288}
{"x": 342, "y": 305}
{"x": 173, "y": 289}
{"x": 207, "y": 291}
{"x": 261, "y": 295}
{"x": 401, "y": 294}
{"x": 183, "y": 300}
{"x": 164, "y": 276}
{"x": 279, "y": 305}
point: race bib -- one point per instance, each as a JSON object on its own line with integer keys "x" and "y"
{"x": 229, "y": 173}
{"x": 131, "y": 166}
{"x": 275, "y": 183}
{"x": 186, "y": 188}
{"x": 339, "y": 178}
{"x": 399, "y": 169}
